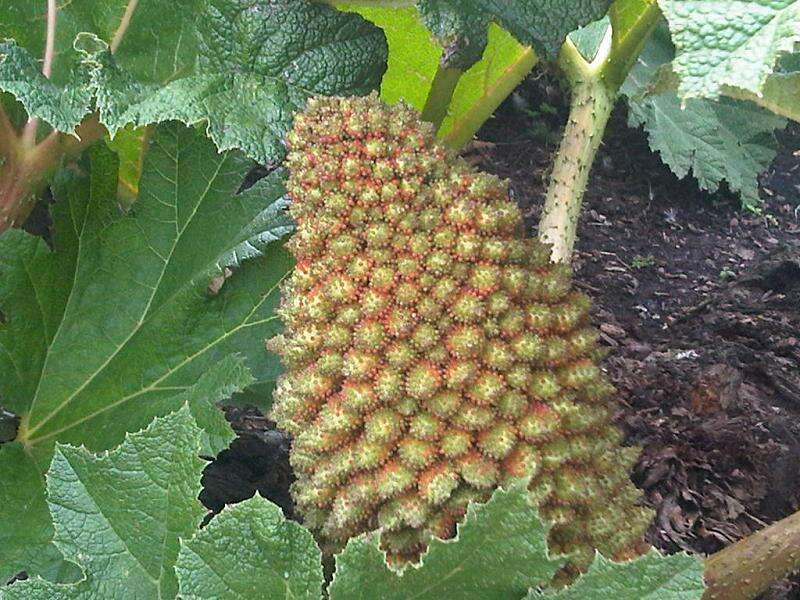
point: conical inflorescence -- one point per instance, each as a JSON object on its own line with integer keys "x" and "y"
{"x": 431, "y": 351}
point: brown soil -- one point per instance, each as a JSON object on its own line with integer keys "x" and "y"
{"x": 699, "y": 306}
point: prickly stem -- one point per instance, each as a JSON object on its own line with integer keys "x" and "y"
{"x": 748, "y": 567}
{"x": 590, "y": 110}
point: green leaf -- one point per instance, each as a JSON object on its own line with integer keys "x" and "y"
{"x": 780, "y": 94}
{"x": 459, "y": 30}
{"x": 413, "y": 55}
{"x": 219, "y": 383}
{"x": 543, "y": 24}
{"x": 26, "y": 535}
{"x": 483, "y": 88}
{"x": 247, "y": 552}
{"x": 129, "y": 144}
{"x": 652, "y": 576}
{"x": 116, "y": 324}
{"x": 499, "y": 553}
{"x": 258, "y": 63}
{"x": 717, "y": 140}
{"x": 121, "y": 514}
{"x": 138, "y": 326}
{"x": 158, "y": 43}
{"x": 62, "y": 106}
{"x": 729, "y": 42}
{"x": 413, "y": 60}
{"x": 588, "y": 39}
{"x": 243, "y": 67}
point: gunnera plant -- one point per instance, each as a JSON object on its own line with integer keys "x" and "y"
{"x": 432, "y": 352}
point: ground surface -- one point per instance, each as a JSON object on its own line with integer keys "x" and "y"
{"x": 699, "y": 305}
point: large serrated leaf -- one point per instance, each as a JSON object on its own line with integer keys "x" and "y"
{"x": 733, "y": 43}
{"x": 500, "y": 552}
{"x": 62, "y": 106}
{"x": 159, "y": 44}
{"x": 116, "y": 324}
{"x": 258, "y": 63}
{"x": 121, "y": 515}
{"x": 716, "y": 140}
{"x": 460, "y": 26}
{"x": 248, "y": 552}
{"x": 154, "y": 39}
{"x": 26, "y": 536}
{"x": 649, "y": 577}
{"x": 137, "y": 325}
{"x": 241, "y": 66}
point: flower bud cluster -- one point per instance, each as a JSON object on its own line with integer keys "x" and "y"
{"x": 431, "y": 351}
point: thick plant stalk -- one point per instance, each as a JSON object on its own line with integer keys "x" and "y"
{"x": 25, "y": 170}
{"x": 592, "y": 103}
{"x": 441, "y": 93}
{"x": 469, "y": 122}
{"x": 595, "y": 87}
{"x": 20, "y": 176}
{"x": 747, "y": 568}
{"x": 25, "y": 165}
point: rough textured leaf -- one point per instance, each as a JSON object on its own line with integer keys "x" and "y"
{"x": 248, "y": 552}
{"x": 729, "y": 42}
{"x": 458, "y": 29}
{"x": 159, "y": 45}
{"x": 242, "y": 66}
{"x": 717, "y": 140}
{"x": 258, "y": 62}
{"x": 159, "y": 42}
{"x": 121, "y": 515}
{"x": 649, "y": 577}
{"x": 62, "y": 106}
{"x": 26, "y": 535}
{"x": 543, "y": 24}
{"x": 114, "y": 325}
{"x": 222, "y": 380}
{"x": 500, "y": 552}
{"x": 413, "y": 60}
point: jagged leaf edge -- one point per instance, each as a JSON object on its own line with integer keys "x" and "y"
{"x": 474, "y": 512}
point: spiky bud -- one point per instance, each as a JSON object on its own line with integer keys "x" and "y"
{"x": 432, "y": 352}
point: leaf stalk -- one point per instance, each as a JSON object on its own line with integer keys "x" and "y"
{"x": 595, "y": 87}
{"x": 123, "y": 25}
{"x": 25, "y": 171}
{"x": 748, "y": 567}
{"x": 481, "y": 110}
{"x": 32, "y": 126}
{"x": 440, "y": 95}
